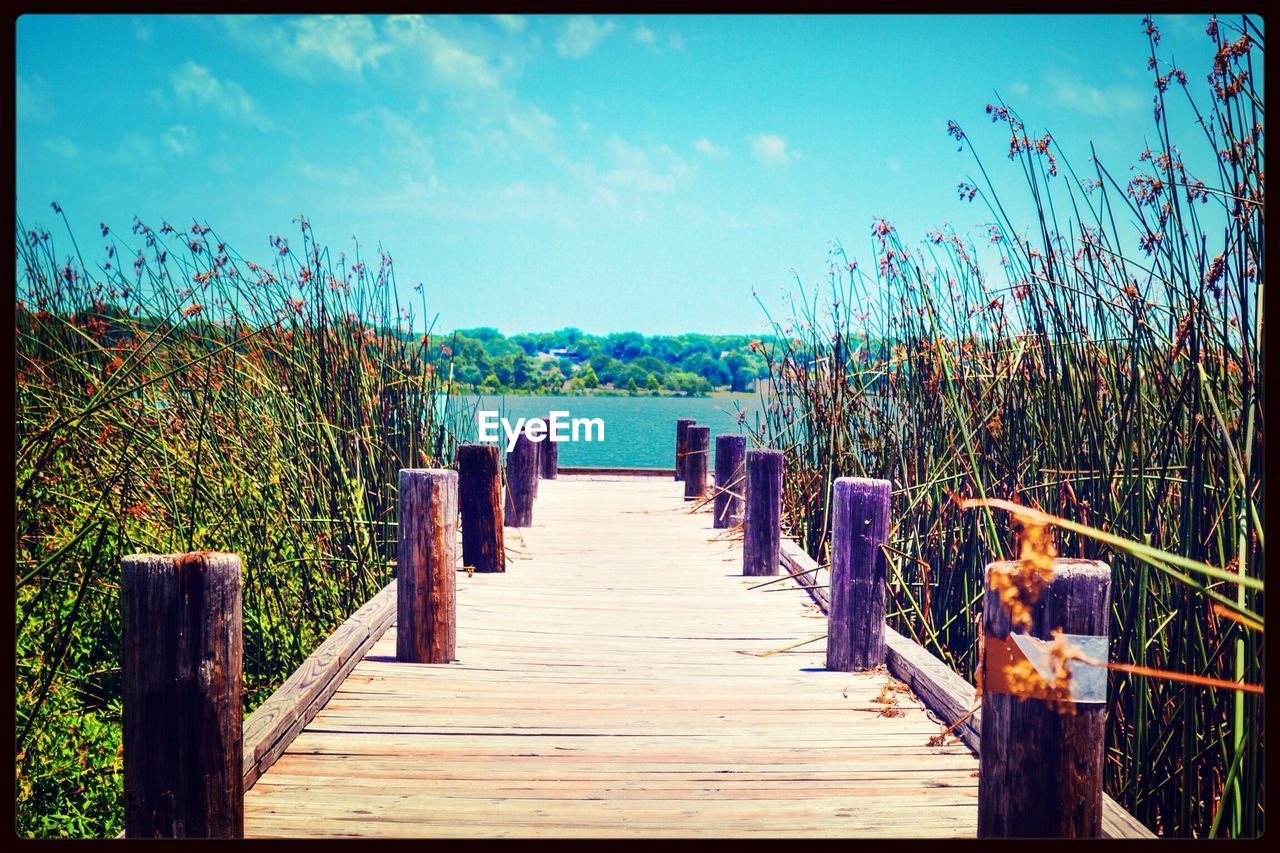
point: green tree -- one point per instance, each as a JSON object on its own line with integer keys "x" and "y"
{"x": 631, "y": 385}
{"x": 468, "y": 374}
{"x": 523, "y": 369}
{"x": 504, "y": 369}
{"x": 589, "y": 378}
{"x": 552, "y": 378}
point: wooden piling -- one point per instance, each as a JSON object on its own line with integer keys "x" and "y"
{"x": 1040, "y": 766}
{"x": 426, "y": 566}
{"x": 182, "y": 647}
{"x": 682, "y": 427}
{"x": 537, "y": 446}
{"x": 762, "y": 534}
{"x": 522, "y": 476}
{"x": 548, "y": 455}
{"x": 550, "y": 459}
{"x": 860, "y": 525}
{"x": 480, "y": 503}
{"x": 730, "y": 481}
{"x": 697, "y": 442}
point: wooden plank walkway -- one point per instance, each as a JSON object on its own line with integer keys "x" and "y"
{"x": 601, "y": 690}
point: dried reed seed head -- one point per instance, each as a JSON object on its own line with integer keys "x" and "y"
{"x": 1020, "y": 584}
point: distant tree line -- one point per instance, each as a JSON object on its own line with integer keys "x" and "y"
{"x": 571, "y": 361}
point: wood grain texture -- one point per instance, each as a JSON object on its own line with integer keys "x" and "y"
{"x": 682, "y": 427}
{"x": 611, "y": 684}
{"x": 181, "y": 699}
{"x": 522, "y": 478}
{"x": 943, "y": 691}
{"x": 270, "y": 729}
{"x": 860, "y": 526}
{"x": 697, "y": 445}
{"x": 550, "y": 460}
{"x": 1041, "y": 768}
{"x": 426, "y": 566}
{"x": 536, "y": 476}
{"x": 761, "y": 531}
{"x": 730, "y": 483}
{"x": 480, "y": 504}
{"x": 575, "y": 470}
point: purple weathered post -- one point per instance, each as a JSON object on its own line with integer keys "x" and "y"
{"x": 550, "y": 456}
{"x": 682, "y": 427}
{"x": 521, "y": 477}
{"x": 762, "y": 531}
{"x": 730, "y": 480}
{"x": 860, "y": 525}
{"x": 697, "y": 441}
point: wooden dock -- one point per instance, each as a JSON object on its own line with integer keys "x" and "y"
{"x": 610, "y": 683}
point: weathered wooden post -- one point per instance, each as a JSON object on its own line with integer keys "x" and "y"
{"x": 182, "y": 651}
{"x": 1040, "y": 762}
{"x": 730, "y": 480}
{"x": 682, "y": 427}
{"x": 427, "y": 565}
{"x": 697, "y": 444}
{"x": 480, "y": 502}
{"x": 521, "y": 478}
{"x": 860, "y": 525}
{"x": 536, "y": 472}
{"x": 550, "y": 457}
{"x": 762, "y": 533}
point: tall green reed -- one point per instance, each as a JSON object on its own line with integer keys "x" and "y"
{"x": 1112, "y": 375}
{"x": 175, "y": 396}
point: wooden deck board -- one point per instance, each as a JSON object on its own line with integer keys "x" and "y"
{"x": 601, "y": 690}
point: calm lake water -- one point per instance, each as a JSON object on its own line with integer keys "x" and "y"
{"x": 639, "y": 432}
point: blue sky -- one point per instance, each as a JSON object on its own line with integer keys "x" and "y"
{"x": 605, "y": 172}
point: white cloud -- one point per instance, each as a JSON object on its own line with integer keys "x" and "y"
{"x": 347, "y": 41}
{"x": 33, "y": 99}
{"x": 343, "y": 177}
{"x": 510, "y": 23}
{"x": 706, "y": 146}
{"x": 354, "y": 45}
{"x": 650, "y": 39}
{"x": 223, "y": 163}
{"x": 771, "y": 148}
{"x": 451, "y": 63}
{"x": 531, "y": 126}
{"x": 605, "y": 196}
{"x": 179, "y": 139}
{"x": 1091, "y": 100}
{"x": 732, "y": 221}
{"x": 132, "y": 150}
{"x": 194, "y": 84}
{"x": 402, "y": 144}
{"x": 302, "y": 46}
{"x": 142, "y": 31}
{"x": 580, "y": 36}
{"x": 63, "y": 147}
{"x": 656, "y": 170}
{"x": 1019, "y": 88}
